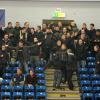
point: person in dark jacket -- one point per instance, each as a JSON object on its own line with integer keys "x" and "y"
{"x": 97, "y": 52}
{"x": 4, "y": 58}
{"x": 18, "y": 78}
{"x": 70, "y": 68}
{"x": 1, "y": 34}
{"x": 92, "y": 31}
{"x": 30, "y": 78}
{"x": 16, "y": 33}
{"x": 81, "y": 54}
{"x": 9, "y": 30}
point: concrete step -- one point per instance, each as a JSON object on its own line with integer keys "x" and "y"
{"x": 63, "y": 94}
{"x": 62, "y": 85}
{"x": 62, "y": 89}
{"x": 63, "y": 98}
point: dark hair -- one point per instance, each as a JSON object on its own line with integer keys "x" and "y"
{"x": 92, "y": 24}
{"x": 9, "y": 23}
{"x": 39, "y": 27}
{"x": 98, "y": 30}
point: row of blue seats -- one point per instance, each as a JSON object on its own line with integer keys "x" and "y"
{"x": 89, "y": 77}
{"x": 22, "y": 88}
{"x": 20, "y": 95}
{"x": 90, "y": 96}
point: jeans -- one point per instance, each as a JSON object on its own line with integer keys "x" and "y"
{"x": 57, "y": 78}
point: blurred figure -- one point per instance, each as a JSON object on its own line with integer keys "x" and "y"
{"x": 30, "y": 78}
{"x": 18, "y": 78}
{"x": 97, "y": 53}
{"x": 9, "y": 29}
{"x": 92, "y": 31}
{"x": 81, "y": 54}
{"x": 4, "y": 59}
{"x": 16, "y": 33}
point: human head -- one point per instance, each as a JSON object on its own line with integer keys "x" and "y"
{"x": 91, "y": 26}
{"x": 3, "y": 48}
{"x": 63, "y": 47}
{"x": 98, "y": 32}
{"x": 84, "y": 26}
{"x": 80, "y": 42}
{"x": 59, "y": 24}
{"x": 19, "y": 71}
{"x": 17, "y": 24}
{"x": 31, "y": 72}
{"x": 6, "y": 37}
{"x": 83, "y": 36}
{"x": 38, "y": 28}
{"x": 26, "y": 25}
{"x": 64, "y": 30}
{"x": 96, "y": 48}
{"x": 59, "y": 43}
{"x": 21, "y": 43}
{"x": 10, "y": 25}
{"x": 23, "y": 30}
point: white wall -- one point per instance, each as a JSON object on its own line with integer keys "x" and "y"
{"x": 34, "y": 12}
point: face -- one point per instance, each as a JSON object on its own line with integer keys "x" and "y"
{"x": 91, "y": 27}
{"x": 23, "y": 30}
{"x": 3, "y": 48}
{"x": 31, "y": 72}
{"x": 60, "y": 24}
{"x": 32, "y": 30}
{"x": 98, "y": 33}
{"x": 84, "y": 26}
{"x": 10, "y": 25}
{"x": 68, "y": 35}
{"x": 64, "y": 30}
{"x": 72, "y": 23}
{"x": 21, "y": 44}
{"x": 26, "y": 25}
{"x": 83, "y": 36}
{"x": 44, "y": 26}
{"x": 63, "y": 37}
{"x": 96, "y": 48}
{"x": 80, "y": 42}
{"x": 57, "y": 28}
{"x": 63, "y": 47}
{"x": 58, "y": 43}
{"x": 6, "y": 37}
{"x": 19, "y": 71}
{"x": 17, "y": 24}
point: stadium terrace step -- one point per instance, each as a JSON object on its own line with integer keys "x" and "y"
{"x": 63, "y": 93}
{"x": 62, "y": 98}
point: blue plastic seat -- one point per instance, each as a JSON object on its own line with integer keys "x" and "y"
{"x": 41, "y": 82}
{"x": 18, "y": 95}
{"x": 91, "y": 59}
{"x": 41, "y": 88}
{"x": 39, "y": 69}
{"x": 84, "y": 77}
{"x": 91, "y": 64}
{"x": 91, "y": 70}
{"x": 18, "y": 88}
{"x": 85, "y": 83}
{"x": 29, "y": 95}
{"x": 95, "y": 77}
{"x": 8, "y": 69}
{"x": 87, "y": 96}
{"x": 6, "y": 88}
{"x": 29, "y": 88}
{"x": 96, "y": 83}
{"x": 7, "y": 76}
{"x": 6, "y": 95}
{"x": 6, "y": 82}
{"x": 40, "y": 75}
{"x": 41, "y": 95}
{"x": 83, "y": 70}
{"x": 97, "y": 96}
{"x": 86, "y": 89}
{"x": 96, "y": 89}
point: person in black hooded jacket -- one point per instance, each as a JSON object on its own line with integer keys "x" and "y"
{"x": 97, "y": 55}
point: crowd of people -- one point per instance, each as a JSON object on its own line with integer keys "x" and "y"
{"x": 63, "y": 47}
